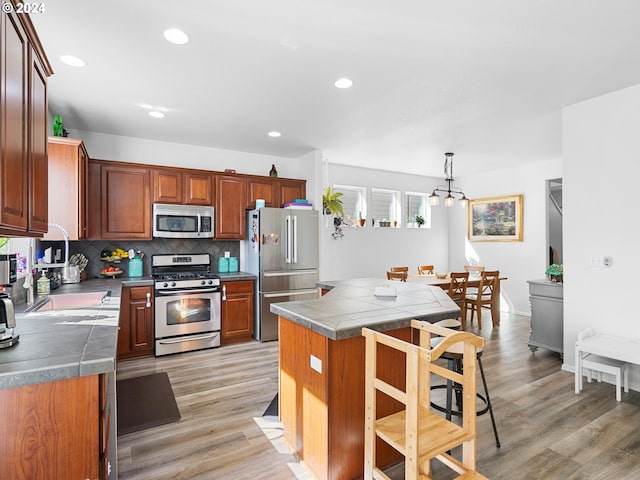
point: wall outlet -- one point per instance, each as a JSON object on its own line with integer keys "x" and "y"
{"x": 316, "y": 363}
{"x": 227, "y": 254}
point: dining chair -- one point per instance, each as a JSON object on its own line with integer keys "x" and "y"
{"x": 483, "y": 298}
{"x": 425, "y": 269}
{"x": 400, "y": 276}
{"x": 400, "y": 269}
{"x": 458, "y": 293}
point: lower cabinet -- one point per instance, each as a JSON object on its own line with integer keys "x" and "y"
{"x": 136, "y": 334}
{"x": 237, "y": 311}
{"x": 61, "y": 429}
{"x": 546, "y": 315}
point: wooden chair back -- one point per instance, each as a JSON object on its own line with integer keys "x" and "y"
{"x": 416, "y": 430}
{"x": 483, "y": 297}
{"x": 400, "y": 276}
{"x": 458, "y": 286}
{"x": 425, "y": 269}
{"x": 400, "y": 269}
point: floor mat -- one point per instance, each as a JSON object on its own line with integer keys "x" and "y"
{"x": 145, "y": 402}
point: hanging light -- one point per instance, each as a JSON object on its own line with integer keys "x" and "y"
{"x": 449, "y": 200}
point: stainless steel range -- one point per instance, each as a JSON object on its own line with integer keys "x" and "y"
{"x": 187, "y": 303}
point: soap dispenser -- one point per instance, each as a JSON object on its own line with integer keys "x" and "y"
{"x": 43, "y": 285}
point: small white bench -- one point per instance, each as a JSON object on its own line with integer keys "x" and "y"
{"x": 600, "y": 353}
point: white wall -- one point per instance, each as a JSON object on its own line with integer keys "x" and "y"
{"x": 371, "y": 251}
{"x": 139, "y": 150}
{"x": 519, "y": 261}
{"x": 601, "y": 151}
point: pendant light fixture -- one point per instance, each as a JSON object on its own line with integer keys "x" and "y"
{"x": 449, "y": 200}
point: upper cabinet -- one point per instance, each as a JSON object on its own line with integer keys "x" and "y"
{"x": 230, "y": 193}
{"x": 119, "y": 201}
{"x": 289, "y": 189}
{"x": 274, "y": 191}
{"x": 68, "y": 164}
{"x": 23, "y": 123}
{"x": 182, "y": 187}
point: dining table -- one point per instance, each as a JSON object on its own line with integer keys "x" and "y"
{"x": 474, "y": 281}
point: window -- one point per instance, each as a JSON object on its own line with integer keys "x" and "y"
{"x": 385, "y": 207}
{"x": 417, "y": 205}
{"x": 354, "y": 204}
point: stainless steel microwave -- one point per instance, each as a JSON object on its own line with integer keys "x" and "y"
{"x": 183, "y": 221}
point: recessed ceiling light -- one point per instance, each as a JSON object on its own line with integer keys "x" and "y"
{"x": 176, "y": 36}
{"x": 274, "y": 134}
{"x": 73, "y": 61}
{"x": 343, "y": 83}
{"x": 156, "y": 114}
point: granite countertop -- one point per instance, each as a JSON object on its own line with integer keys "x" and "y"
{"x": 351, "y": 305}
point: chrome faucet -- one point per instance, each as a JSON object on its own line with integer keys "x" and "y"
{"x": 65, "y": 265}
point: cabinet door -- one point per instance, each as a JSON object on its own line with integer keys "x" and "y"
{"x": 198, "y": 189}
{"x": 290, "y": 189}
{"x": 136, "y": 334}
{"x": 14, "y": 168}
{"x": 237, "y": 311}
{"x": 230, "y": 203}
{"x": 94, "y": 201}
{"x": 126, "y": 202}
{"x": 167, "y": 186}
{"x": 68, "y": 161}
{"x": 38, "y": 169}
{"x": 50, "y": 430}
{"x": 264, "y": 188}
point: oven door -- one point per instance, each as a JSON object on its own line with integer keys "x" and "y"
{"x": 186, "y": 312}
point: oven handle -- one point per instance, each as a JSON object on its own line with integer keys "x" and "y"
{"x": 174, "y": 292}
{"x": 187, "y": 339}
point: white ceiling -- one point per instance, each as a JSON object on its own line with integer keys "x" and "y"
{"x": 484, "y": 79}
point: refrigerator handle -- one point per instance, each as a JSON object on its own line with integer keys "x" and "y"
{"x": 288, "y": 242}
{"x": 295, "y": 239}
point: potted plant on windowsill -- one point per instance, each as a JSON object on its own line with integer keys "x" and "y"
{"x": 419, "y": 220}
{"x": 555, "y": 272}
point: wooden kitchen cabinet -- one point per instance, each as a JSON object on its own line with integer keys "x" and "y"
{"x": 125, "y": 202}
{"x": 230, "y": 195}
{"x": 264, "y": 188}
{"x": 136, "y": 334}
{"x": 23, "y": 139}
{"x": 67, "y": 413}
{"x": 68, "y": 166}
{"x": 274, "y": 191}
{"x": 289, "y": 189}
{"x": 237, "y": 311}
{"x": 182, "y": 187}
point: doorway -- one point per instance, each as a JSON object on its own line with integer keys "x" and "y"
{"x": 554, "y": 221}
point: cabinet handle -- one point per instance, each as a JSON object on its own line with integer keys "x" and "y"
{"x": 148, "y": 300}
{"x": 224, "y": 293}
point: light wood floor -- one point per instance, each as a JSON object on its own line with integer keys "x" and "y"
{"x": 546, "y": 431}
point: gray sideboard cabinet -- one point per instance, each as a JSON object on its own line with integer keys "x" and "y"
{"x": 546, "y": 315}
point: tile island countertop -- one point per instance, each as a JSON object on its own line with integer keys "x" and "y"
{"x": 352, "y": 304}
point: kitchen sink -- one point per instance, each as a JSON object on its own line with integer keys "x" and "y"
{"x": 69, "y": 301}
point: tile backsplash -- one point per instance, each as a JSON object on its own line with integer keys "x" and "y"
{"x": 92, "y": 249}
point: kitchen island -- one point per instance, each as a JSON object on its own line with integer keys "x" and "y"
{"x": 321, "y": 391}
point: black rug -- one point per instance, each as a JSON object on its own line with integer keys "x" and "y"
{"x": 272, "y": 409}
{"x": 145, "y": 402}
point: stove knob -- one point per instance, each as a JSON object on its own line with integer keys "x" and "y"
{"x": 173, "y": 284}
{"x": 210, "y": 282}
{"x": 165, "y": 284}
{"x": 202, "y": 282}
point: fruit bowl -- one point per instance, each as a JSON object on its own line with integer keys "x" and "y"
{"x": 110, "y": 273}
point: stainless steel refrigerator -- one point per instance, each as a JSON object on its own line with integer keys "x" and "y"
{"x": 282, "y": 251}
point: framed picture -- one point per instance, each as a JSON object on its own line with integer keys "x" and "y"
{"x": 497, "y": 219}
